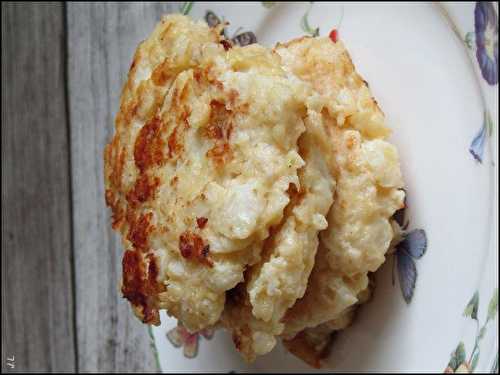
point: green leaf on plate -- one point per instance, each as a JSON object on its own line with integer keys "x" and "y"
{"x": 475, "y": 359}
{"x": 472, "y": 306}
{"x": 186, "y": 7}
{"x": 268, "y": 4}
{"x": 482, "y": 331}
{"x": 469, "y": 39}
{"x": 457, "y": 357}
{"x": 152, "y": 343}
{"x": 494, "y": 366}
{"x": 493, "y": 305}
{"x": 488, "y": 122}
{"x": 304, "y": 23}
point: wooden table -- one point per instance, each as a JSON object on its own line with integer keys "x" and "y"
{"x": 63, "y": 66}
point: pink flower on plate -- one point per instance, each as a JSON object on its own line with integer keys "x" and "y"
{"x": 180, "y": 336}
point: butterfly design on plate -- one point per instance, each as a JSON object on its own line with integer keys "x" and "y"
{"x": 412, "y": 246}
{"x": 240, "y": 39}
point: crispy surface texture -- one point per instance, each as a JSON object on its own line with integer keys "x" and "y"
{"x": 196, "y": 179}
{"x": 253, "y": 188}
{"x": 280, "y": 278}
{"x": 366, "y": 170}
{"x": 368, "y": 189}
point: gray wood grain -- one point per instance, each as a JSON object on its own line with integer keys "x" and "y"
{"x": 37, "y": 301}
{"x": 102, "y": 38}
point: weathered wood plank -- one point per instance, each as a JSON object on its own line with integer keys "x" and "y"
{"x": 37, "y": 301}
{"x": 102, "y": 38}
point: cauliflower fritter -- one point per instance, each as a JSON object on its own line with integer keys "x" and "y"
{"x": 327, "y": 66}
{"x": 280, "y": 278}
{"x": 368, "y": 189}
{"x": 252, "y": 187}
{"x": 358, "y": 235}
{"x": 313, "y": 344}
{"x": 196, "y": 180}
{"x": 367, "y": 193}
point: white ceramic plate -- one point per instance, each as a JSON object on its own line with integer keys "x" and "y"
{"x": 434, "y": 71}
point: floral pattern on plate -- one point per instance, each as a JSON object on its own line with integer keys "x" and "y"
{"x": 238, "y": 38}
{"x": 304, "y": 23}
{"x": 484, "y": 40}
{"x": 486, "y": 36}
{"x": 459, "y": 363}
{"x": 181, "y": 337}
{"x": 476, "y": 147}
{"x": 412, "y": 246}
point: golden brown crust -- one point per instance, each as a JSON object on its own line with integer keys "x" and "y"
{"x": 184, "y": 181}
{"x": 366, "y": 196}
{"x": 129, "y": 190}
{"x": 192, "y": 246}
{"x": 305, "y": 350}
{"x": 223, "y": 161}
{"x": 139, "y": 285}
